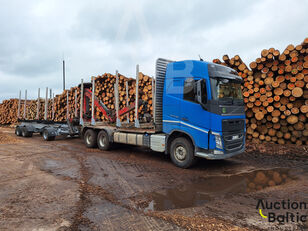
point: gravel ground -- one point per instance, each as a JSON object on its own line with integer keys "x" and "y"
{"x": 62, "y": 185}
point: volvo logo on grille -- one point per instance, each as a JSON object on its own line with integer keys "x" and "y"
{"x": 235, "y": 137}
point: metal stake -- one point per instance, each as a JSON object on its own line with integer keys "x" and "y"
{"x": 25, "y": 105}
{"x": 116, "y": 92}
{"x": 137, "y": 124}
{"x": 76, "y": 104}
{"x": 127, "y": 103}
{"x": 81, "y": 103}
{"x": 67, "y": 107}
{"x": 46, "y": 104}
{"x": 53, "y": 106}
{"x": 19, "y": 101}
{"x": 38, "y": 105}
{"x": 92, "y": 108}
{"x": 153, "y": 97}
{"x": 63, "y": 63}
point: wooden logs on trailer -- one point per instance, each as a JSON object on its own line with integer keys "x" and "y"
{"x": 275, "y": 92}
{"x": 104, "y": 91}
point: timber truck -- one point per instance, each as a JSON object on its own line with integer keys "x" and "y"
{"x": 198, "y": 112}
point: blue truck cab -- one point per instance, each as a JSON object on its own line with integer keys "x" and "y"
{"x": 202, "y": 110}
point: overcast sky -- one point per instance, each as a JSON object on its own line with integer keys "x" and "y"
{"x": 97, "y": 36}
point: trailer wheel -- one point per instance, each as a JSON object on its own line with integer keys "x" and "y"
{"x": 182, "y": 152}
{"x": 18, "y": 131}
{"x": 25, "y": 132}
{"x": 90, "y": 137}
{"x": 103, "y": 140}
{"x": 46, "y": 136}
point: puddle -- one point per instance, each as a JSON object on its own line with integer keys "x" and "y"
{"x": 199, "y": 193}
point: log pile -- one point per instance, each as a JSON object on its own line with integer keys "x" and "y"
{"x": 104, "y": 91}
{"x": 263, "y": 179}
{"x": 275, "y": 91}
{"x": 59, "y": 105}
{"x": 8, "y": 111}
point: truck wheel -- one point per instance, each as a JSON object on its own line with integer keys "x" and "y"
{"x": 103, "y": 140}
{"x": 25, "y": 132}
{"x": 18, "y": 131}
{"x": 47, "y": 136}
{"x": 182, "y": 152}
{"x": 90, "y": 137}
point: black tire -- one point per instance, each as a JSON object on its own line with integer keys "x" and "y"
{"x": 182, "y": 152}
{"x": 25, "y": 132}
{"x": 46, "y": 135}
{"x": 18, "y": 131}
{"x": 90, "y": 138}
{"x": 103, "y": 142}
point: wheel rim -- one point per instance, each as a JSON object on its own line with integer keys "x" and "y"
{"x": 180, "y": 153}
{"x": 88, "y": 139}
{"x": 102, "y": 141}
{"x": 45, "y": 135}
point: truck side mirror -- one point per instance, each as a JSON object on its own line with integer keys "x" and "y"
{"x": 198, "y": 91}
{"x": 201, "y": 93}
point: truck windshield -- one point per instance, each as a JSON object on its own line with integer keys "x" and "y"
{"x": 226, "y": 88}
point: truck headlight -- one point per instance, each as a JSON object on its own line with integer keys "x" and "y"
{"x": 218, "y": 141}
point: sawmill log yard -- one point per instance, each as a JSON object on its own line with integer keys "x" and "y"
{"x": 195, "y": 145}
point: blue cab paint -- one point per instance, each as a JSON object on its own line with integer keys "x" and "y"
{"x": 188, "y": 117}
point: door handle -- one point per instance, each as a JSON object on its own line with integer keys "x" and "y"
{"x": 184, "y": 118}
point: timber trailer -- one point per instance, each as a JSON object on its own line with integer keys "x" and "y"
{"x": 49, "y": 129}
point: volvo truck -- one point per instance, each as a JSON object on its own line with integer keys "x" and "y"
{"x": 198, "y": 113}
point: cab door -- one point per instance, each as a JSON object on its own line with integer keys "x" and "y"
{"x": 195, "y": 119}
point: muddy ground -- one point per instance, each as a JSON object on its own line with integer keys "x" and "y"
{"x": 62, "y": 185}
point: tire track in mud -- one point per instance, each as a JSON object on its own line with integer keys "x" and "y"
{"x": 84, "y": 200}
{"x": 87, "y": 190}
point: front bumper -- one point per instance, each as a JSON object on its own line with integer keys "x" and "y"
{"x": 211, "y": 156}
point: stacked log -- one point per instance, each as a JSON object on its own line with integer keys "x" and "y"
{"x": 267, "y": 178}
{"x": 275, "y": 91}
{"x": 104, "y": 91}
{"x": 8, "y": 111}
{"x": 57, "y": 108}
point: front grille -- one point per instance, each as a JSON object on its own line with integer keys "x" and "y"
{"x": 233, "y": 134}
{"x": 233, "y": 125}
{"x": 233, "y": 141}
